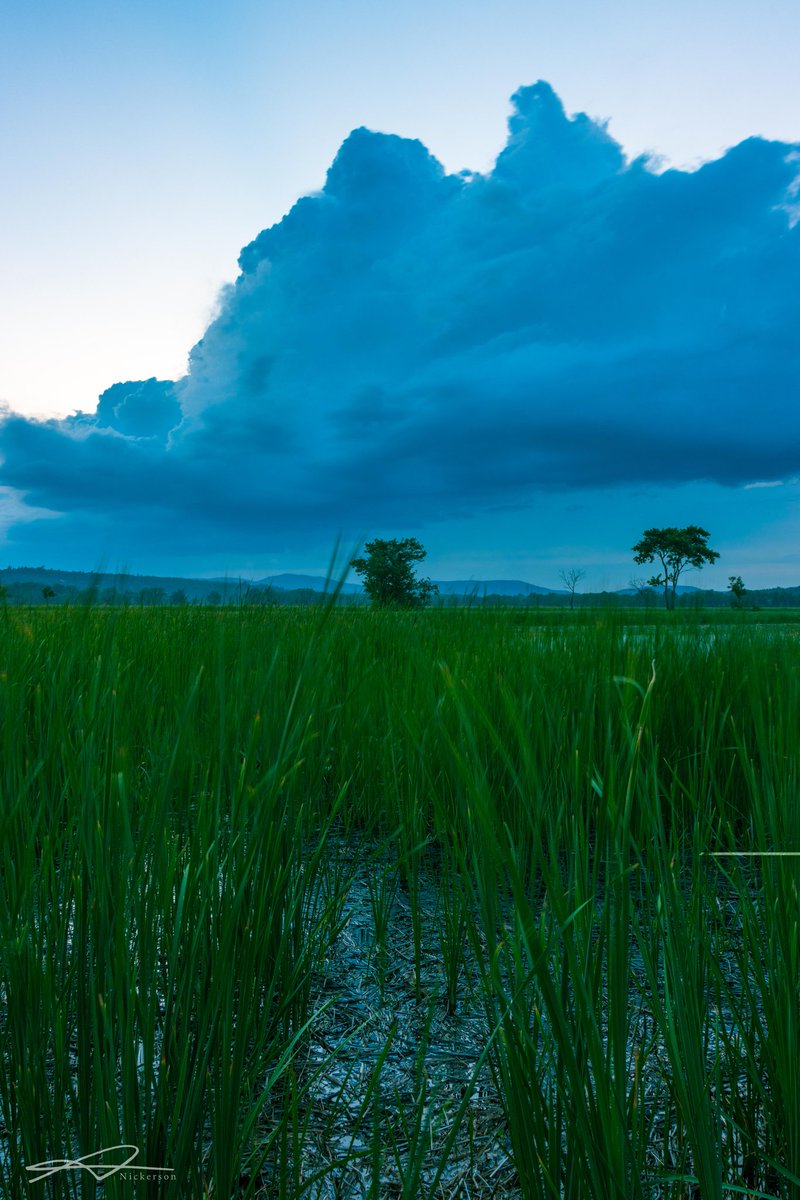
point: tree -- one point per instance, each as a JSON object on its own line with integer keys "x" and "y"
{"x": 676, "y": 550}
{"x": 388, "y": 574}
{"x": 571, "y": 577}
{"x": 47, "y": 594}
{"x": 643, "y": 590}
{"x": 737, "y": 590}
{"x": 151, "y": 595}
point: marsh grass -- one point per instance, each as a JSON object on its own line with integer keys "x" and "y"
{"x": 191, "y": 799}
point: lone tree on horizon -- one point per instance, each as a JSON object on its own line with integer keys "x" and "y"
{"x": 737, "y": 589}
{"x": 676, "y": 550}
{"x": 388, "y": 573}
{"x": 571, "y": 577}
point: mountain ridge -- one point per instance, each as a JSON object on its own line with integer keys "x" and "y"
{"x": 24, "y": 584}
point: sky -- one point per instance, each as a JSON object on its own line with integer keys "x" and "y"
{"x": 518, "y": 279}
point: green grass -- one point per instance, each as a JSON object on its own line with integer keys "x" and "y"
{"x": 188, "y": 796}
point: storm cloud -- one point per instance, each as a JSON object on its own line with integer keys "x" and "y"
{"x": 408, "y": 346}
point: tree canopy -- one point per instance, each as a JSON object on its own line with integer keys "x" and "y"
{"x": 737, "y": 589}
{"x": 387, "y": 571}
{"x": 676, "y": 550}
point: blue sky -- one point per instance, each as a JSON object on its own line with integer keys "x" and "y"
{"x": 524, "y": 366}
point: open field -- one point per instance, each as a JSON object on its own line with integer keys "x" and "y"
{"x": 342, "y": 903}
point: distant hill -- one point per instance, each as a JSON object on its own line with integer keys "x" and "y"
{"x": 447, "y": 587}
{"x": 100, "y": 579}
{"x": 24, "y": 585}
{"x": 493, "y": 587}
{"x": 293, "y": 583}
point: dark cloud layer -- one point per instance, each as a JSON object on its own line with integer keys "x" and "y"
{"x": 409, "y": 346}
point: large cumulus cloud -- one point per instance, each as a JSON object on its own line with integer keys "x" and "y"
{"x": 408, "y": 346}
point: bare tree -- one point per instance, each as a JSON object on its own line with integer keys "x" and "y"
{"x": 571, "y": 577}
{"x": 644, "y": 591}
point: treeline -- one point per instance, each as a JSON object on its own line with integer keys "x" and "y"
{"x": 778, "y": 597}
{"x": 649, "y": 599}
{"x": 234, "y": 595}
{"x": 26, "y": 592}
